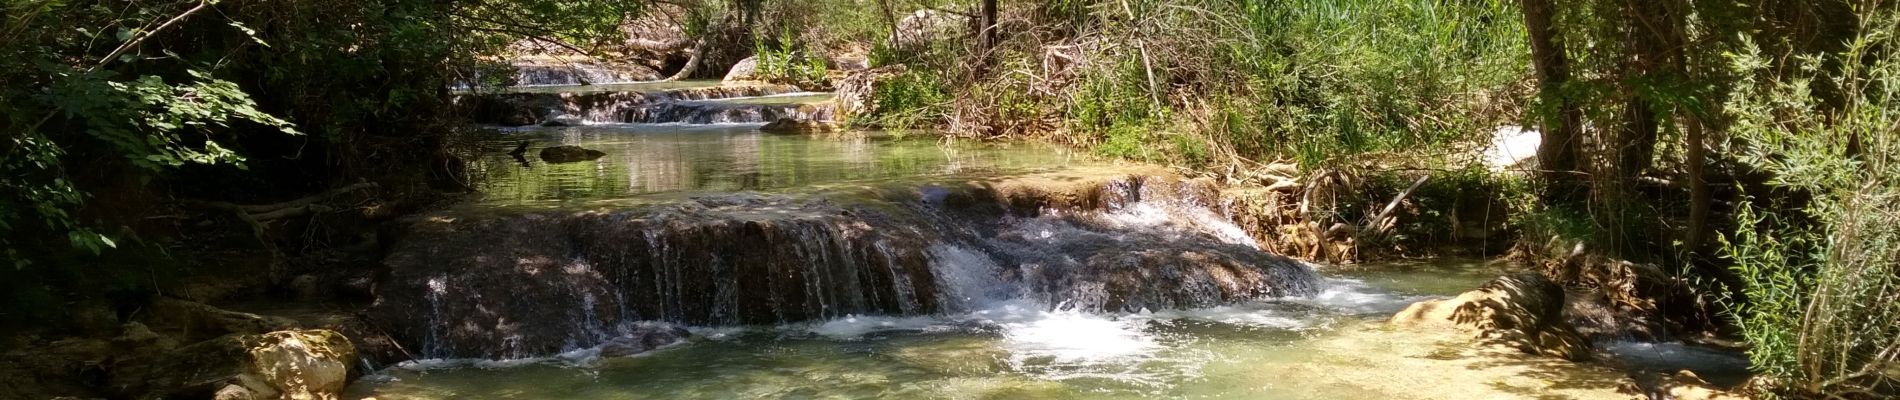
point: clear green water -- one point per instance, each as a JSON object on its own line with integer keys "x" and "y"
{"x": 661, "y": 159}
{"x": 1331, "y": 346}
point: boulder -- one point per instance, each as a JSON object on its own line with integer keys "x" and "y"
{"x": 305, "y": 364}
{"x": 798, "y": 126}
{"x": 644, "y": 338}
{"x": 1524, "y": 311}
{"x": 569, "y": 154}
{"x": 745, "y": 70}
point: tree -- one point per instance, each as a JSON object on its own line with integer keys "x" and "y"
{"x": 1561, "y": 124}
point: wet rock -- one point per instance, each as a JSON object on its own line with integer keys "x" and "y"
{"x": 793, "y": 126}
{"x": 720, "y": 112}
{"x": 644, "y": 338}
{"x": 523, "y": 109}
{"x": 1525, "y": 311}
{"x": 308, "y": 364}
{"x": 584, "y": 72}
{"x": 564, "y": 120}
{"x": 570, "y": 154}
{"x": 532, "y": 283}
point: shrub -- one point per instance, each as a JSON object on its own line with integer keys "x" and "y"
{"x": 1822, "y": 276}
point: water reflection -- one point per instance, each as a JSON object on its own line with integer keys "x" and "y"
{"x": 644, "y": 159}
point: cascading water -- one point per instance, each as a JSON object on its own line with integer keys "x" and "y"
{"x": 648, "y": 103}
{"x": 886, "y": 268}
{"x": 541, "y": 283}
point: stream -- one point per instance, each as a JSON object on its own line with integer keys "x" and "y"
{"x": 900, "y": 293}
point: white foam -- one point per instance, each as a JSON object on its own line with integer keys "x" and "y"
{"x": 1356, "y": 297}
{"x": 854, "y": 327}
{"x": 1068, "y": 337}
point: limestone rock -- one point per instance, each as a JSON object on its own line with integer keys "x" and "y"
{"x": 745, "y": 70}
{"x": 569, "y": 154}
{"x": 798, "y": 126}
{"x": 1524, "y": 311}
{"x": 307, "y": 364}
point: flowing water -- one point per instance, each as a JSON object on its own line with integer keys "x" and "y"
{"x": 795, "y": 284}
{"x": 1327, "y": 346}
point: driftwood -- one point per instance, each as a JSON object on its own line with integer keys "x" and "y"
{"x": 1376, "y": 224}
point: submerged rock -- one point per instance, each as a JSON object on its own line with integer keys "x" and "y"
{"x": 795, "y": 126}
{"x": 1524, "y": 311}
{"x": 307, "y": 364}
{"x": 564, "y": 120}
{"x": 569, "y": 154}
{"x": 644, "y": 338}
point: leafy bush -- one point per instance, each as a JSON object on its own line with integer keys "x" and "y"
{"x": 910, "y": 99}
{"x": 788, "y": 63}
{"x": 1822, "y": 275}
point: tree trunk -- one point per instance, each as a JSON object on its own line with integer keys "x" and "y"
{"x": 1561, "y": 129}
{"x": 987, "y": 35}
{"x": 890, "y": 18}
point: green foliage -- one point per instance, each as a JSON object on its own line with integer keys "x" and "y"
{"x": 1822, "y": 276}
{"x": 788, "y": 63}
{"x": 1342, "y": 77}
{"x": 1114, "y": 108}
{"x": 144, "y": 119}
{"x": 159, "y": 88}
{"x": 907, "y": 100}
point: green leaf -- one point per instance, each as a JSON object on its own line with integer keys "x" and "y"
{"x": 248, "y": 32}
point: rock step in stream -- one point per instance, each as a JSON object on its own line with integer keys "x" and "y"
{"x": 648, "y": 102}
{"x": 489, "y": 283}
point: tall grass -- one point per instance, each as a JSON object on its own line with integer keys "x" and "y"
{"x": 1823, "y": 278}
{"x": 1197, "y": 81}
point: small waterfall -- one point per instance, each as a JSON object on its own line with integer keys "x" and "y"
{"x": 506, "y": 285}
{"x": 709, "y": 112}
{"x": 703, "y": 105}
{"x": 578, "y": 74}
